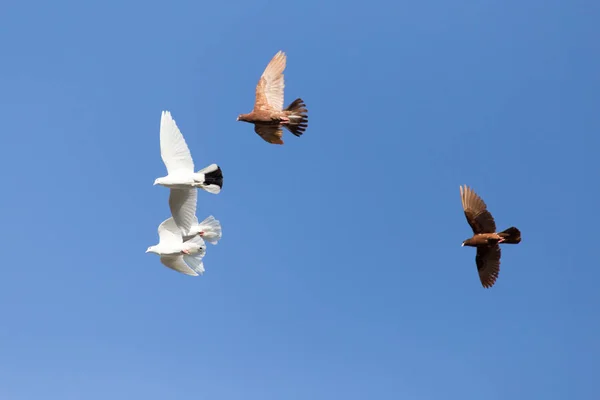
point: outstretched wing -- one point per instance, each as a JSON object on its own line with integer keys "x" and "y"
{"x": 269, "y": 91}
{"x": 176, "y": 263}
{"x": 182, "y": 203}
{"x": 488, "y": 264}
{"x": 173, "y": 148}
{"x": 270, "y": 133}
{"x": 478, "y": 216}
{"x": 169, "y": 234}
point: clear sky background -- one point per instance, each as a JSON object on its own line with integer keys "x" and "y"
{"x": 340, "y": 273}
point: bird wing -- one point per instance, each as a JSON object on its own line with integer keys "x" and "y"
{"x": 169, "y": 234}
{"x": 182, "y": 203}
{"x": 269, "y": 91}
{"x": 270, "y": 133}
{"x": 488, "y": 264}
{"x": 176, "y": 263}
{"x": 173, "y": 148}
{"x": 478, "y": 216}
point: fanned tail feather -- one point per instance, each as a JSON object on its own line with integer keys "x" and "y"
{"x": 298, "y": 115}
{"x": 211, "y": 178}
{"x": 511, "y": 235}
{"x": 212, "y": 230}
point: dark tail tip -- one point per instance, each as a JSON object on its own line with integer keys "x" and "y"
{"x": 511, "y": 235}
{"x": 214, "y": 177}
{"x": 298, "y": 115}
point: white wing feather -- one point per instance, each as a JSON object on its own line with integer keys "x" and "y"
{"x": 173, "y": 148}
{"x": 169, "y": 234}
{"x": 182, "y": 203}
{"x": 176, "y": 263}
{"x": 195, "y": 263}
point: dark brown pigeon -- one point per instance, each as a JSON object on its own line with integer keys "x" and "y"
{"x": 485, "y": 237}
{"x": 268, "y": 115}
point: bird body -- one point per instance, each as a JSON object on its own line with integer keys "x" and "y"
{"x": 482, "y": 239}
{"x": 510, "y": 236}
{"x": 485, "y": 238}
{"x": 185, "y": 257}
{"x": 268, "y": 116}
{"x": 182, "y": 179}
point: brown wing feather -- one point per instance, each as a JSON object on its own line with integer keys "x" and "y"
{"x": 270, "y": 133}
{"x": 269, "y": 90}
{"x": 478, "y": 216}
{"x": 488, "y": 264}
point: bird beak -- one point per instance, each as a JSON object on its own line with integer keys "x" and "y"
{"x": 462, "y": 245}
{"x": 237, "y": 119}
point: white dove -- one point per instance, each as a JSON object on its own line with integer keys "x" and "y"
{"x": 184, "y": 257}
{"x": 180, "y": 165}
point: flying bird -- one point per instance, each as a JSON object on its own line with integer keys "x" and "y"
{"x": 268, "y": 116}
{"x": 180, "y": 165}
{"x": 184, "y": 257}
{"x": 485, "y": 237}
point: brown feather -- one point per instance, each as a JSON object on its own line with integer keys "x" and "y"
{"x": 270, "y": 133}
{"x": 269, "y": 90}
{"x": 488, "y": 264}
{"x": 475, "y": 209}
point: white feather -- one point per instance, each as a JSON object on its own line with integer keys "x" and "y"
{"x": 173, "y": 148}
{"x": 182, "y": 203}
{"x": 178, "y": 160}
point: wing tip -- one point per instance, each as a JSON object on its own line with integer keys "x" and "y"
{"x": 165, "y": 114}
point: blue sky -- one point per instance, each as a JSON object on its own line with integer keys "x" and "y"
{"x": 340, "y": 272}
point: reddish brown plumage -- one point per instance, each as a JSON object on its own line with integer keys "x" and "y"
{"x": 268, "y": 116}
{"x": 485, "y": 238}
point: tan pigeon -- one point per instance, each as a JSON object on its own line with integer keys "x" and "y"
{"x": 485, "y": 237}
{"x": 268, "y": 115}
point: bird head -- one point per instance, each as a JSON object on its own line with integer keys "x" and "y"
{"x": 466, "y": 243}
{"x": 150, "y": 249}
{"x": 156, "y": 181}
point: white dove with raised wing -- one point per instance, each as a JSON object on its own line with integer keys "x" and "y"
{"x": 180, "y": 165}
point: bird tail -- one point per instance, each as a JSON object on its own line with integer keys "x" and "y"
{"x": 210, "y": 178}
{"x": 197, "y": 247}
{"x": 195, "y": 262}
{"x": 298, "y": 115}
{"x": 211, "y": 228}
{"x": 511, "y": 235}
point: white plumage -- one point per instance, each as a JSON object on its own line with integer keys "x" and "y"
{"x": 209, "y": 230}
{"x": 181, "y": 244}
{"x": 178, "y": 160}
{"x": 185, "y": 257}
